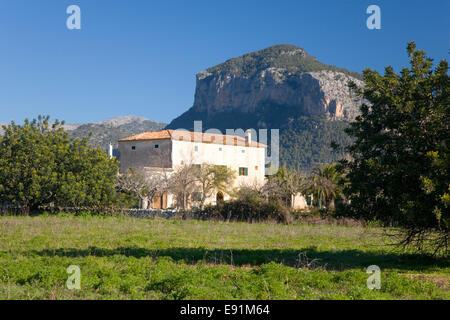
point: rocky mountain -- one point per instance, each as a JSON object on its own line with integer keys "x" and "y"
{"x": 111, "y": 130}
{"x": 123, "y": 120}
{"x": 279, "y": 87}
{"x": 283, "y": 77}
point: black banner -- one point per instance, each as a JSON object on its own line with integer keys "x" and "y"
{"x": 236, "y": 309}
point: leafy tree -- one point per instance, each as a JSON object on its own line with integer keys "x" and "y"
{"x": 143, "y": 184}
{"x": 41, "y": 166}
{"x": 400, "y": 167}
{"x": 210, "y": 178}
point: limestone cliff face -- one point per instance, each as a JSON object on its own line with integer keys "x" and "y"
{"x": 267, "y": 88}
{"x": 280, "y": 87}
{"x": 322, "y": 92}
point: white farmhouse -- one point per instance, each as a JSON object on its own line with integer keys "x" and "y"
{"x": 167, "y": 150}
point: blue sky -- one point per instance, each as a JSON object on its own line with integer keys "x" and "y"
{"x": 140, "y": 57}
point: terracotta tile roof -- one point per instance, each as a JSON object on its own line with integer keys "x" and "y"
{"x": 182, "y": 135}
{"x": 149, "y": 135}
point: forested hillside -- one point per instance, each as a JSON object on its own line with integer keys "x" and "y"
{"x": 306, "y": 142}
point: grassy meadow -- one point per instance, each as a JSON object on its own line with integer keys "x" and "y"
{"x": 129, "y": 258}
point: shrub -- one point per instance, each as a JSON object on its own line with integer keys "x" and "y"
{"x": 249, "y": 207}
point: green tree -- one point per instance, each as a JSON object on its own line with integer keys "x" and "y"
{"x": 399, "y": 172}
{"x": 210, "y": 178}
{"x": 41, "y": 166}
{"x": 325, "y": 184}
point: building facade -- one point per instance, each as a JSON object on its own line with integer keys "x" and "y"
{"x": 167, "y": 150}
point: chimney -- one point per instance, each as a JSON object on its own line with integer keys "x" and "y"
{"x": 110, "y": 151}
{"x": 248, "y": 136}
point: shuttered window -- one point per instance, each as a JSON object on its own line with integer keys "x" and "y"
{"x": 243, "y": 171}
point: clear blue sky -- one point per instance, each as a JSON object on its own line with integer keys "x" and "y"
{"x": 140, "y": 57}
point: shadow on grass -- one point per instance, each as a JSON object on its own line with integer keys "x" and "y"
{"x": 307, "y": 257}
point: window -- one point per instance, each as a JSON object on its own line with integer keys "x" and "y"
{"x": 220, "y": 149}
{"x": 156, "y": 146}
{"x": 243, "y": 171}
{"x": 243, "y": 151}
{"x": 199, "y": 166}
{"x": 133, "y": 147}
{"x": 196, "y": 148}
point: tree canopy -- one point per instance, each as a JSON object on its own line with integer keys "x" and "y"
{"x": 40, "y": 166}
{"x": 400, "y": 168}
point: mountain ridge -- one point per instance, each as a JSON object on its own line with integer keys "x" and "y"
{"x": 288, "y": 56}
{"x": 283, "y": 76}
{"x": 279, "y": 87}
{"x": 110, "y": 130}
{"x": 113, "y": 129}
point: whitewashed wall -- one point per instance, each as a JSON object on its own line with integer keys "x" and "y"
{"x": 231, "y": 156}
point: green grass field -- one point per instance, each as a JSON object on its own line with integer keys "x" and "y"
{"x": 127, "y": 258}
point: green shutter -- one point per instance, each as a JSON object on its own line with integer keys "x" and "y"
{"x": 243, "y": 171}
